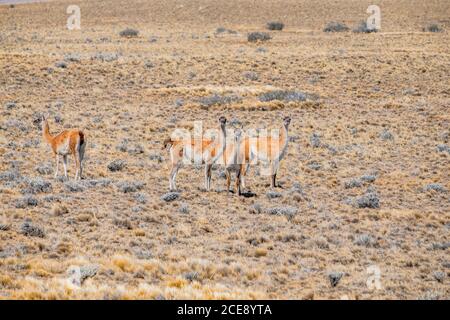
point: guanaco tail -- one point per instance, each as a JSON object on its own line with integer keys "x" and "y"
{"x": 204, "y": 150}
{"x": 68, "y": 142}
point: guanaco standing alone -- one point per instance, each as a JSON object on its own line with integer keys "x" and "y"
{"x": 68, "y": 142}
{"x": 209, "y": 151}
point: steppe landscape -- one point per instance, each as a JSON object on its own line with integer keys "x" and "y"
{"x": 365, "y": 180}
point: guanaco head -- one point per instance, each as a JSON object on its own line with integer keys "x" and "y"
{"x": 286, "y": 122}
{"x": 222, "y": 121}
{"x": 44, "y": 122}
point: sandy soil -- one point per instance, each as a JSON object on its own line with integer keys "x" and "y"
{"x": 373, "y": 131}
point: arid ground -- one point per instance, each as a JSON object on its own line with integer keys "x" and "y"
{"x": 364, "y": 212}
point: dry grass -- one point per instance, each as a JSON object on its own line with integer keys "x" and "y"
{"x": 376, "y": 105}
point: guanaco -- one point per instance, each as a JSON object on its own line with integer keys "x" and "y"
{"x": 209, "y": 151}
{"x": 68, "y": 142}
{"x": 269, "y": 150}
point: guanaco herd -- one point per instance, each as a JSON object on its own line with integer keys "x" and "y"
{"x": 236, "y": 156}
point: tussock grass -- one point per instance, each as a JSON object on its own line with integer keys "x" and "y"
{"x": 433, "y": 27}
{"x": 275, "y": 25}
{"x": 336, "y": 27}
{"x": 258, "y": 36}
{"x": 129, "y": 33}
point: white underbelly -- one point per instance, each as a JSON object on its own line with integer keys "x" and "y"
{"x": 63, "y": 149}
{"x": 190, "y": 155}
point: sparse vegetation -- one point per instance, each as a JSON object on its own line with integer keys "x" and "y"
{"x": 141, "y": 198}
{"x": 432, "y": 27}
{"x": 156, "y": 157}
{"x": 434, "y": 187}
{"x": 105, "y": 56}
{"x": 191, "y": 276}
{"x": 97, "y": 183}
{"x": 362, "y": 27}
{"x": 59, "y": 210}
{"x": 365, "y": 240}
{"x": 88, "y": 271}
{"x": 258, "y": 36}
{"x": 129, "y": 186}
{"x": 31, "y": 230}
{"x": 440, "y": 246}
{"x": 282, "y": 95}
{"x": 443, "y": 148}
{"x": 123, "y": 145}
{"x": 26, "y": 201}
{"x": 353, "y": 183}
{"x": 359, "y": 182}
{"x": 431, "y": 295}
{"x": 74, "y": 186}
{"x": 368, "y": 200}
{"x": 314, "y": 140}
{"x": 126, "y": 146}
{"x": 149, "y": 65}
{"x": 336, "y": 27}
{"x": 273, "y": 194}
{"x": 342, "y": 91}
{"x": 36, "y": 185}
{"x": 72, "y": 57}
{"x": 170, "y": 196}
{"x": 117, "y": 165}
{"x": 61, "y": 64}
{"x": 179, "y": 102}
{"x": 439, "y": 276}
{"x": 289, "y": 212}
{"x": 10, "y": 105}
{"x": 44, "y": 169}
{"x": 368, "y": 178}
{"x": 219, "y": 100}
{"x": 275, "y": 25}
{"x": 184, "y": 208}
{"x": 334, "y": 278}
{"x": 250, "y": 75}
{"x": 123, "y": 223}
{"x": 12, "y": 175}
{"x": 222, "y": 30}
{"x": 129, "y": 33}
{"x": 256, "y": 209}
{"x": 386, "y": 135}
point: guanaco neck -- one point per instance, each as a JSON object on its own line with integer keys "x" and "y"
{"x": 237, "y": 143}
{"x": 221, "y": 144}
{"x": 222, "y": 137}
{"x": 284, "y": 136}
{"x": 46, "y": 132}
